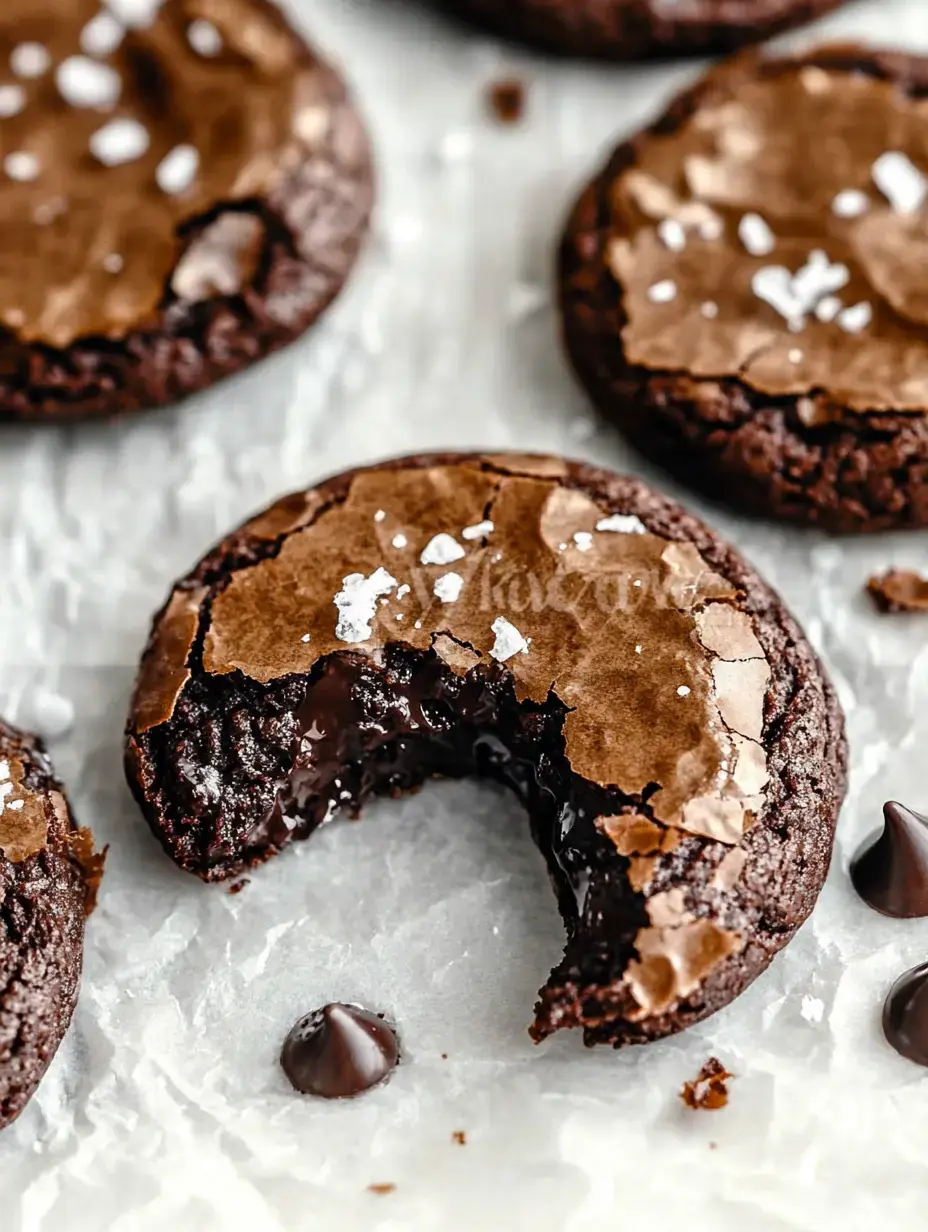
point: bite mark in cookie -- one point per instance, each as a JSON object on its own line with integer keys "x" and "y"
{"x": 604, "y": 656}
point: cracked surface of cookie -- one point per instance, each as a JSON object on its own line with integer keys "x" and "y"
{"x": 48, "y": 882}
{"x": 638, "y": 29}
{"x": 753, "y": 318}
{"x": 178, "y": 197}
{"x": 675, "y": 742}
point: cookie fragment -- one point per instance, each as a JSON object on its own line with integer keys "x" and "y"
{"x": 899, "y": 590}
{"x": 709, "y": 1091}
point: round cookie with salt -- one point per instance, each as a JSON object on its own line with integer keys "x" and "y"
{"x": 184, "y": 187}
{"x": 559, "y": 628}
{"x": 754, "y": 315}
{"x": 638, "y": 29}
{"x": 48, "y": 882}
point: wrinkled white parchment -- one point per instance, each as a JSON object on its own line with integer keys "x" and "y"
{"x": 165, "y": 1108}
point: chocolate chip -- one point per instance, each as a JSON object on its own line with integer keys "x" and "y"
{"x": 338, "y": 1052}
{"x": 905, "y": 1015}
{"x": 890, "y": 873}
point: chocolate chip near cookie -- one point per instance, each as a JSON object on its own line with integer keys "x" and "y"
{"x": 559, "y": 628}
{"x": 178, "y": 198}
{"x": 751, "y": 315}
{"x": 48, "y": 881}
{"x": 638, "y": 29}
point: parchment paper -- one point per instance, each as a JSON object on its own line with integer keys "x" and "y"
{"x": 165, "y": 1108}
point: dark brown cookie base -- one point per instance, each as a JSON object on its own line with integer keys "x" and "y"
{"x": 630, "y": 29}
{"x": 858, "y": 472}
{"x": 313, "y": 225}
{"x": 44, "y": 901}
{"x": 208, "y": 778}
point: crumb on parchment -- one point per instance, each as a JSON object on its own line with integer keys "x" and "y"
{"x": 710, "y": 1090}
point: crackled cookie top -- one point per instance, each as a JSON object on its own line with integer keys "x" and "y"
{"x": 119, "y": 124}
{"x": 777, "y": 233}
{"x": 660, "y": 669}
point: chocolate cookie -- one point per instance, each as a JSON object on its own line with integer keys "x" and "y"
{"x": 638, "y": 29}
{"x": 559, "y": 628}
{"x": 48, "y": 882}
{"x": 178, "y": 199}
{"x": 755, "y": 316}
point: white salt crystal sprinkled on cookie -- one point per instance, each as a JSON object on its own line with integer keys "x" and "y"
{"x": 442, "y": 550}
{"x": 900, "y": 182}
{"x": 663, "y": 292}
{"x": 509, "y": 641}
{"x": 30, "y": 60}
{"x": 21, "y": 166}
{"x": 12, "y": 100}
{"x": 177, "y": 170}
{"x": 850, "y": 203}
{"x": 121, "y": 141}
{"x": 794, "y": 296}
{"x": 204, "y": 38}
{"x": 357, "y": 604}
{"x": 622, "y": 524}
{"x": 400, "y": 540}
{"x": 828, "y": 308}
{"x": 101, "y": 35}
{"x": 710, "y": 310}
{"x": 403, "y": 591}
{"x": 478, "y": 530}
{"x": 671, "y": 234}
{"x": 83, "y": 82}
{"x": 853, "y": 320}
{"x": 448, "y": 588}
{"x": 756, "y": 236}
{"x": 583, "y": 540}
{"x": 683, "y": 691}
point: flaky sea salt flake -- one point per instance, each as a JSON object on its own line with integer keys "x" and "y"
{"x": 357, "y": 603}
{"x": 442, "y": 550}
{"x": 509, "y": 641}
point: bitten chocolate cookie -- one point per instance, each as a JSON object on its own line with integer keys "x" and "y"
{"x": 559, "y": 628}
{"x": 745, "y": 288}
{"x": 177, "y": 199}
{"x": 48, "y": 881}
{"x": 638, "y": 29}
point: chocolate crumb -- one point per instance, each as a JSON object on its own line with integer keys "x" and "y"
{"x": 709, "y": 1091}
{"x": 381, "y": 1189}
{"x": 899, "y": 590}
{"x": 460, "y": 1137}
{"x": 444, "y": 1056}
{"x": 507, "y": 100}
{"x": 238, "y": 886}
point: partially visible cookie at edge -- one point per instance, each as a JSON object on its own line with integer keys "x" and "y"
{"x": 560, "y": 628}
{"x": 177, "y": 199}
{"x": 49, "y": 875}
{"x": 744, "y": 291}
{"x": 638, "y": 29}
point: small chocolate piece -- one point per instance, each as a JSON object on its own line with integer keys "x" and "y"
{"x": 385, "y": 1187}
{"x": 710, "y": 1091}
{"x": 905, "y": 1015}
{"x": 559, "y": 628}
{"x": 756, "y": 321}
{"x": 459, "y": 1137}
{"x": 49, "y": 874}
{"x": 899, "y": 590}
{"x": 638, "y": 29}
{"x": 890, "y": 873}
{"x": 339, "y": 1051}
{"x": 175, "y": 204}
{"x": 507, "y": 101}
